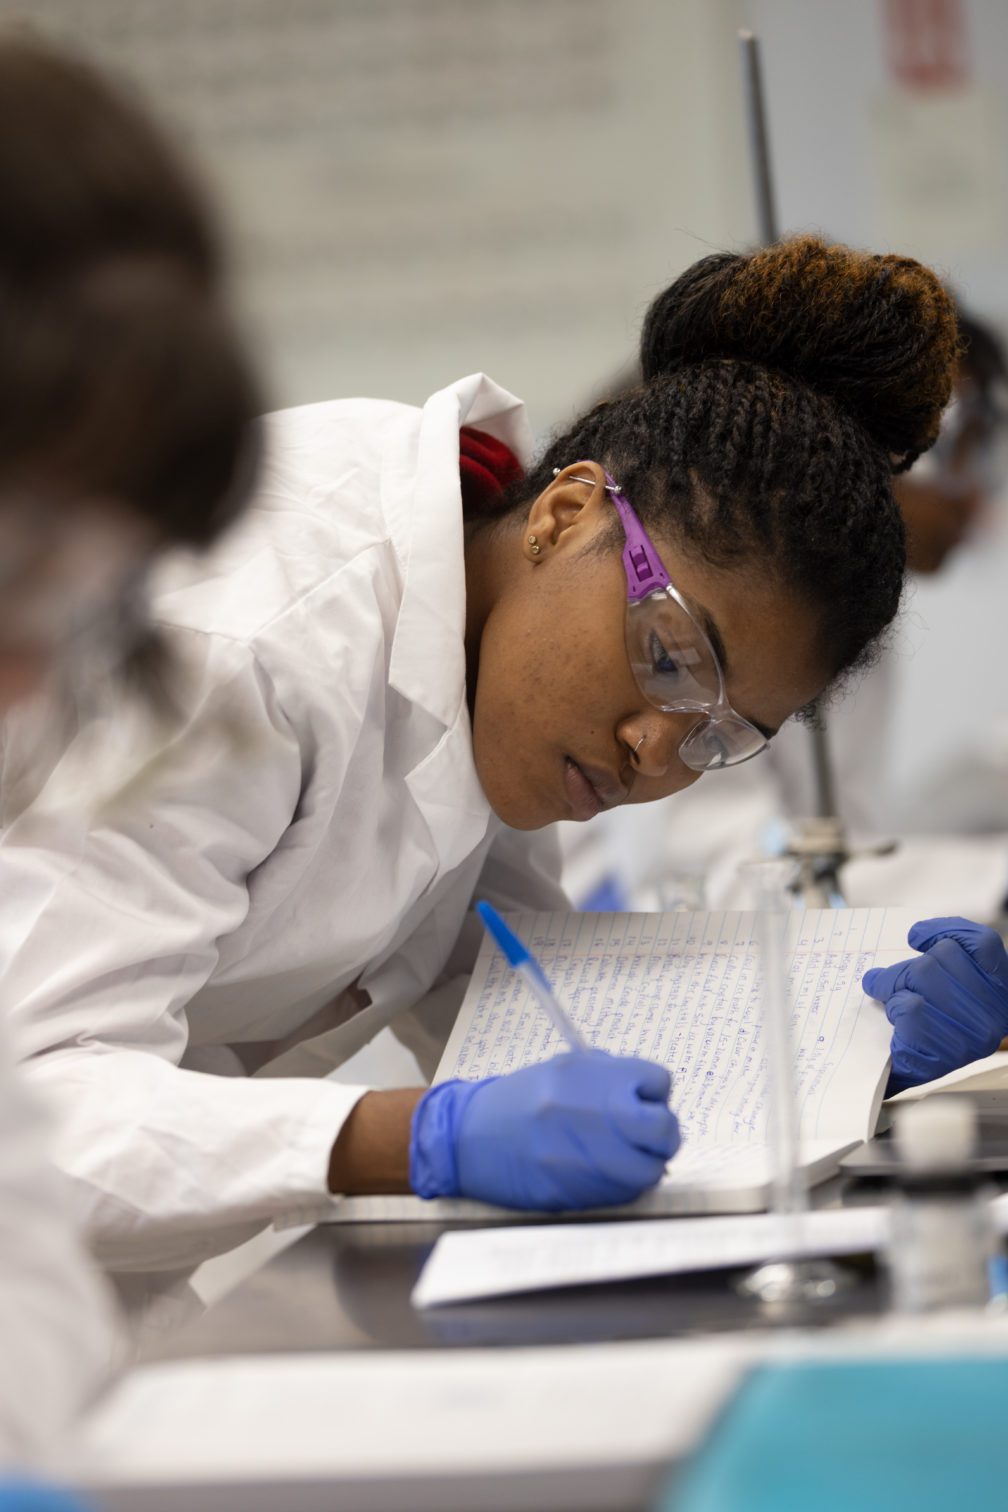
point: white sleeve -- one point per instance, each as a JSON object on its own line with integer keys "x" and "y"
{"x": 521, "y": 873}
{"x": 57, "y": 1324}
{"x": 108, "y": 934}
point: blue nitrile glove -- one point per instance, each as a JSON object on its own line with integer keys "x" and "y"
{"x": 577, "y": 1131}
{"x": 29, "y": 1496}
{"x": 949, "y": 1005}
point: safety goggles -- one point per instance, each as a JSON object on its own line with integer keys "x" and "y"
{"x": 673, "y": 660}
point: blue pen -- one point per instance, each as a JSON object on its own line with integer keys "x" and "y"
{"x": 521, "y": 959}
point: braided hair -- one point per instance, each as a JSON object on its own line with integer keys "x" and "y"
{"x": 782, "y": 389}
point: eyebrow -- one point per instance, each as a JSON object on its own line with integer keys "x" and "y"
{"x": 714, "y": 636}
{"x": 717, "y": 641}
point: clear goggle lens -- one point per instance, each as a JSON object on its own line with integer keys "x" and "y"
{"x": 675, "y": 668}
{"x": 722, "y": 741}
{"x": 671, "y": 660}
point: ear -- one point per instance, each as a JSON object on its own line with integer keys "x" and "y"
{"x": 575, "y": 503}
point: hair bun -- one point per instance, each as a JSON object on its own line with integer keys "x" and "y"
{"x": 877, "y": 334}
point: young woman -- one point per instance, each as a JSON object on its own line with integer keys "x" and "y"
{"x": 406, "y": 664}
{"x": 125, "y": 407}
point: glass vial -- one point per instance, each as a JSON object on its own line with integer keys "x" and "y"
{"x": 942, "y": 1236}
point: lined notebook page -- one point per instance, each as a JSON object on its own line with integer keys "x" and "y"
{"x": 682, "y": 989}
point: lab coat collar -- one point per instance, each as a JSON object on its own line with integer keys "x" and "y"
{"x": 427, "y": 663}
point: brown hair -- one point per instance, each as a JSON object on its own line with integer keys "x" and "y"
{"x": 120, "y": 373}
{"x": 877, "y": 334}
{"x": 782, "y": 388}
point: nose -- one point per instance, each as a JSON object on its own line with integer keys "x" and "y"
{"x": 653, "y": 740}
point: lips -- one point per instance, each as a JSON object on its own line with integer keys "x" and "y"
{"x": 589, "y": 790}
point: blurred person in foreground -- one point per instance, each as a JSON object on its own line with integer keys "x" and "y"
{"x": 125, "y": 410}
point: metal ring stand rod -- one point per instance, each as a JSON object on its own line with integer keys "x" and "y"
{"x": 822, "y": 848}
{"x": 790, "y": 1284}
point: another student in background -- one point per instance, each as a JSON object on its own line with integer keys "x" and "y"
{"x": 944, "y": 497}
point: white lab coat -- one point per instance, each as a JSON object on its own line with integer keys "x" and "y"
{"x": 291, "y": 871}
{"x": 58, "y": 1334}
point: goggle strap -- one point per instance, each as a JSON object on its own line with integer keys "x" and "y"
{"x": 644, "y": 571}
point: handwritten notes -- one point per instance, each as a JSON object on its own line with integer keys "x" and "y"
{"x": 682, "y": 989}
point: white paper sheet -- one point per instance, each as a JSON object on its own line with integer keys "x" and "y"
{"x": 501, "y": 1261}
{"x": 681, "y": 989}
{"x": 498, "y": 1262}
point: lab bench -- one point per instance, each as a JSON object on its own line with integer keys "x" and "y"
{"x": 345, "y": 1288}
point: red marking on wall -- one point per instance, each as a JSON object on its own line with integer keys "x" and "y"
{"x": 927, "y": 43}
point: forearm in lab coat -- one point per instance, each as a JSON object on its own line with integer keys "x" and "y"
{"x": 167, "y": 1167}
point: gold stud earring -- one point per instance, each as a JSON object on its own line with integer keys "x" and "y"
{"x": 533, "y": 542}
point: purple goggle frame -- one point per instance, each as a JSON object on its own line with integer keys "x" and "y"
{"x": 673, "y": 660}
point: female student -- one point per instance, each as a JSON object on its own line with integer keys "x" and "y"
{"x": 125, "y": 406}
{"x": 409, "y": 660}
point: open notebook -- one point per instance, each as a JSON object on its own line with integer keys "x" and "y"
{"x": 682, "y": 989}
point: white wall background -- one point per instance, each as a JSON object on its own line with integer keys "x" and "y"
{"x": 420, "y": 188}
{"x": 828, "y": 84}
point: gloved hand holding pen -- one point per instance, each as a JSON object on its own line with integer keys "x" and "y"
{"x": 949, "y": 1005}
{"x": 584, "y": 1129}
{"x": 581, "y": 1130}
